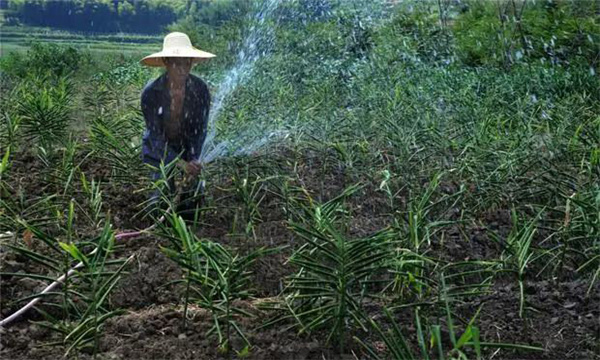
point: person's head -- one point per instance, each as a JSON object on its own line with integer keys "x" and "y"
{"x": 177, "y": 50}
{"x": 178, "y": 65}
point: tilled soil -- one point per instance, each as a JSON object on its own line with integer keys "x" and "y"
{"x": 562, "y": 316}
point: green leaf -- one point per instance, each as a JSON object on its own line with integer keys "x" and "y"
{"x": 4, "y": 164}
{"x": 465, "y": 337}
{"x": 74, "y": 252}
{"x": 245, "y": 352}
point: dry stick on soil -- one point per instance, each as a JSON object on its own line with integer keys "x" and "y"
{"x": 58, "y": 281}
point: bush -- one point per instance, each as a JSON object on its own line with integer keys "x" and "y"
{"x": 45, "y": 58}
{"x": 123, "y": 73}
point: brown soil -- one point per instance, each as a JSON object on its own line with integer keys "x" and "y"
{"x": 560, "y": 317}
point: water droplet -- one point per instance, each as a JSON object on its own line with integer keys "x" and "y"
{"x": 545, "y": 115}
{"x": 519, "y": 55}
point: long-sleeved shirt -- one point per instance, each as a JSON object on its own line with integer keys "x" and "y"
{"x": 156, "y": 107}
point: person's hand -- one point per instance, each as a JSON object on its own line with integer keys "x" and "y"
{"x": 193, "y": 168}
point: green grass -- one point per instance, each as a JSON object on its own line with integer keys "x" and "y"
{"x": 19, "y": 38}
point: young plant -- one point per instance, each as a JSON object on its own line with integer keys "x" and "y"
{"x": 592, "y": 265}
{"x": 251, "y": 194}
{"x": 398, "y": 348}
{"x": 98, "y": 280}
{"x": 64, "y": 174}
{"x": 227, "y": 281}
{"x": 417, "y": 219}
{"x": 386, "y": 187}
{"x": 585, "y": 232}
{"x": 111, "y": 143}
{"x": 39, "y": 211}
{"x": 87, "y": 282}
{"x": 409, "y": 265}
{"x": 94, "y": 200}
{"x": 4, "y": 166}
{"x": 163, "y": 196}
{"x": 327, "y": 289}
{"x": 9, "y": 129}
{"x": 519, "y": 255}
{"x": 215, "y": 279}
{"x": 44, "y": 108}
{"x": 187, "y": 254}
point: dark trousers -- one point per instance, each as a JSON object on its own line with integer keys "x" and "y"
{"x": 189, "y": 194}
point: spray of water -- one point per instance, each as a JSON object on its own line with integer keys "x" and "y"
{"x": 256, "y": 45}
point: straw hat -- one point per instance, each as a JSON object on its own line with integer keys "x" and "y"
{"x": 176, "y": 44}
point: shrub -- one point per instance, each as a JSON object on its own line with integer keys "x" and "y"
{"x": 44, "y": 58}
{"x": 124, "y": 73}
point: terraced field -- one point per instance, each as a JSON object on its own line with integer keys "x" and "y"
{"x": 19, "y": 38}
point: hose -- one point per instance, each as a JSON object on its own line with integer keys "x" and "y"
{"x": 119, "y": 236}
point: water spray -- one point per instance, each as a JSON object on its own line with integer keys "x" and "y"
{"x": 256, "y": 45}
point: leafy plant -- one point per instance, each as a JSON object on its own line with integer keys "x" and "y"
{"x": 94, "y": 200}
{"x": 111, "y": 142}
{"x": 163, "y": 195}
{"x": 250, "y": 194}
{"x": 519, "y": 255}
{"x": 584, "y": 226}
{"x": 215, "y": 280}
{"x": 85, "y": 330}
{"x": 9, "y": 129}
{"x": 87, "y": 282}
{"x": 409, "y": 264}
{"x": 397, "y": 347}
{"x": 333, "y": 269}
{"x": 44, "y": 109}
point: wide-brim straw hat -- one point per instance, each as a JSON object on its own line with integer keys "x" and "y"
{"x": 176, "y": 44}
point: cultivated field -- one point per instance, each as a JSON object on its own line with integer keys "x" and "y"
{"x": 19, "y": 38}
{"x": 390, "y": 190}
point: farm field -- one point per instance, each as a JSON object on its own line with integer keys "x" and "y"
{"x": 19, "y": 38}
{"x": 413, "y": 180}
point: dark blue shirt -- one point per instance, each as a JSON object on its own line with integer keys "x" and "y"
{"x": 156, "y": 107}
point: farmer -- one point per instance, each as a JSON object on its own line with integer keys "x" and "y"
{"x": 175, "y": 108}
